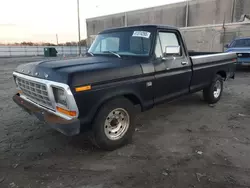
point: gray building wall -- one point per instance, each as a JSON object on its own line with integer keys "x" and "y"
{"x": 200, "y": 12}
{"x": 241, "y": 7}
{"x": 173, "y": 14}
{"x": 94, "y": 26}
{"x": 203, "y": 12}
{"x": 212, "y": 38}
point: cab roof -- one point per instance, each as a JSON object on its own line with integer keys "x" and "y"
{"x": 242, "y": 38}
{"x": 140, "y": 26}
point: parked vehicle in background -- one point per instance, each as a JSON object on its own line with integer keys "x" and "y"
{"x": 241, "y": 46}
{"x": 126, "y": 70}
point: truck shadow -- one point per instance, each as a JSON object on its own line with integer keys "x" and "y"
{"x": 192, "y": 99}
{"x": 243, "y": 69}
{"x": 40, "y": 138}
{"x": 161, "y": 112}
{"x": 83, "y": 141}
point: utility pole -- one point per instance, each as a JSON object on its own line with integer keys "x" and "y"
{"x": 79, "y": 28}
{"x": 57, "y": 39}
{"x": 233, "y": 10}
{"x": 125, "y": 19}
{"x": 224, "y": 33}
{"x": 187, "y": 13}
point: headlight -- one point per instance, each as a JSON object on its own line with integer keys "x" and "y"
{"x": 17, "y": 85}
{"x": 16, "y": 82}
{"x": 60, "y": 96}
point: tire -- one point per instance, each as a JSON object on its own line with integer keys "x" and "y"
{"x": 212, "y": 94}
{"x": 113, "y": 126}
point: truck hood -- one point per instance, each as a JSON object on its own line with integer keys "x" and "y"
{"x": 240, "y": 50}
{"x": 83, "y": 70}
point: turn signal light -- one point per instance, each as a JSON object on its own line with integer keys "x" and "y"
{"x": 83, "y": 88}
{"x": 67, "y": 112}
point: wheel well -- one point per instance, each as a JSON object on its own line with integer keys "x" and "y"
{"x": 223, "y": 74}
{"x": 134, "y": 99}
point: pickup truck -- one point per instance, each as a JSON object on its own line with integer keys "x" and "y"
{"x": 125, "y": 71}
{"x": 240, "y": 46}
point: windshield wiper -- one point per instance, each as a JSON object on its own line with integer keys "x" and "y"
{"x": 116, "y": 54}
{"x": 90, "y": 53}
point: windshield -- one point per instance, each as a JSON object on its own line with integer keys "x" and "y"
{"x": 129, "y": 42}
{"x": 240, "y": 43}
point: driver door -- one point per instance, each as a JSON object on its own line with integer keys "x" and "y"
{"x": 172, "y": 71}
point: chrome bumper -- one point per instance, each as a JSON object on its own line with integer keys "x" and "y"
{"x": 66, "y": 127}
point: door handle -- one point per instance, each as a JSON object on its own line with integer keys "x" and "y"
{"x": 184, "y": 63}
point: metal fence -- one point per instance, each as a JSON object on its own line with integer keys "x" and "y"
{"x": 12, "y": 51}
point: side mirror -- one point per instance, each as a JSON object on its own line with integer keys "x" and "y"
{"x": 172, "y": 50}
{"x": 226, "y": 46}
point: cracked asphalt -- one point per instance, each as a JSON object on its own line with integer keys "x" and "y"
{"x": 185, "y": 143}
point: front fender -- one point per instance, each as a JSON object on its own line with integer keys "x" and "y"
{"x": 90, "y": 101}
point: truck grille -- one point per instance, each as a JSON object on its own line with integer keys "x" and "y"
{"x": 244, "y": 55}
{"x": 36, "y": 92}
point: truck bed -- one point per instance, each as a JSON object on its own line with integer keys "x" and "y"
{"x": 211, "y": 57}
{"x": 194, "y": 53}
{"x": 205, "y": 65}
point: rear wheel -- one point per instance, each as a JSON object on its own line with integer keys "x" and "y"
{"x": 113, "y": 126}
{"x": 212, "y": 94}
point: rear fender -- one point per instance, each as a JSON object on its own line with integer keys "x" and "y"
{"x": 222, "y": 73}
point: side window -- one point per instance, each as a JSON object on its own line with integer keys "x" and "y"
{"x": 232, "y": 44}
{"x": 241, "y": 43}
{"x": 248, "y": 43}
{"x": 168, "y": 40}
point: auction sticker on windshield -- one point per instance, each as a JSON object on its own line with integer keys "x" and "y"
{"x": 144, "y": 34}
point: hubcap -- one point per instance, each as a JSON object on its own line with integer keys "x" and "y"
{"x": 116, "y": 123}
{"x": 217, "y": 89}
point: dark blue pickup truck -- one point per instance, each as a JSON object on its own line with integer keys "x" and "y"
{"x": 126, "y": 70}
{"x": 241, "y": 46}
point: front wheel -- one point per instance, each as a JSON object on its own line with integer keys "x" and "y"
{"x": 113, "y": 126}
{"x": 212, "y": 94}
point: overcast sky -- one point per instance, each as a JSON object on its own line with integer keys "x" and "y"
{"x": 41, "y": 20}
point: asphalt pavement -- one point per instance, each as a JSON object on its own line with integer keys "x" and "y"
{"x": 185, "y": 143}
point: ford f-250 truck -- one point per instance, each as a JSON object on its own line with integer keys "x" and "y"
{"x": 126, "y": 70}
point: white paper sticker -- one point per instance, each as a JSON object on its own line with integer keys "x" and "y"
{"x": 144, "y": 34}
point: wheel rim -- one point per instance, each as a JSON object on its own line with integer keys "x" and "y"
{"x": 116, "y": 124}
{"x": 217, "y": 89}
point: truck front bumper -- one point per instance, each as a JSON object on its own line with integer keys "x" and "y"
{"x": 66, "y": 127}
{"x": 243, "y": 61}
